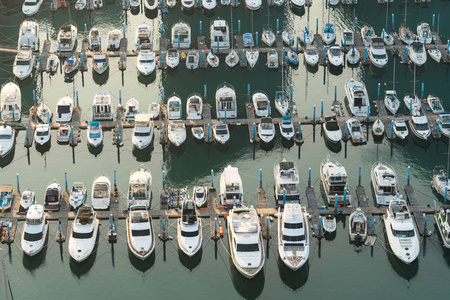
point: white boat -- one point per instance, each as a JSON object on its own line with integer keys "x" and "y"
{"x": 194, "y": 107}
{"x": 225, "y": 2}
{"x": 189, "y": 228}
{"x": 353, "y": 56}
{"x": 329, "y": 223}
{"x": 27, "y": 199}
{"x": 387, "y": 38}
{"x": 101, "y": 192}
{"x": 174, "y": 110}
{"x": 71, "y": 63}
{"x": 226, "y": 101}
{"x": 131, "y": 109}
{"x": 417, "y": 53}
{"x": 231, "y": 188}
{"x": 306, "y": 36}
{"x": 435, "y": 54}
{"x": 29, "y": 35}
{"x": 293, "y": 237}
{"x": 220, "y": 35}
{"x": 77, "y": 195}
{"x": 335, "y": 55}
{"x": 391, "y": 101}
{"x": 378, "y": 128}
{"x": 287, "y": 128}
{"x": 102, "y": 106}
{"x": 94, "y": 39}
{"x": 442, "y": 218}
{"x": 333, "y": 2}
{"x": 98, "y": 3}
{"x": 419, "y": 125}
{"x": 411, "y": 101}
{"x": 80, "y": 4}
{"x": 140, "y": 233}
{"x": 266, "y": 130}
{"x": 268, "y": 37}
{"x": 357, "y": 229}
{"x": 221, "y": 133}
{"x": 187, "y": 4}
{"x": 328, "y": 35}
{"x": 84, "y": 234}
{"x": 288, "y": 37}
{"x": 282, "y": 102}
{"x": 401, "y": 232}
{"x": 146, "y": 62}
{"x": 100, "y": 62}
{"x": 52, "y": 196}
{"x": 209, "y": 4}
{"x": 199, "y": 195}
{"x": 172, "y": 58}
{"x": 34, "y": 231}
{"x": 272, "y": 58}
{"x": 151, "y": 4}
{"x": 232, "y": 59}
{"x": 252, "y": 56}
{"x": 377, "y": 53}
{"x": 311, "y": 55}
{"x": 287, "y": 182}
{"x": 67, "y": 38}
{"x": 172, "y": 3}
{"x": 42, "y": 134}
{"x": 198, "y": 132}
{"x": 64, "y": 109}
{"x": 10, "y": 101}
{"x": 444, "y": 125}
{"x": 348, "y": 37}
{"x": 114, "y": 37}
{"x": 367, "y": 34}
{"x": 253, "y": 4}
{"x": 245, "y": 241}
{"x": 94, "y": 134}
{"x": 261, "y": 104}
{"x": 400, "y": 129}
{"x": 334, "y": 182}
{"x": 356, "y": 132}
{"x": 142, "y": 131}
{"x": 139, "y": 188}
{"x": 278, "y": 3}
{"x": 192, "y": 60}
{"x": 154, "y": 110}
{"x": 332, "y": 130}
{"x": 212, "y": 59}
{"x": 63, "y": 134}
{"x": 181, "y": 35}
{"x": 424, "y": 33}
{"x": 7, "y": 139}
{"x": 177, "y": 133}
{"x": 358, "y": 98}
{"x": 30, "y": 7}
{"x": 384, "y": 183}
{"x": 144, "y": 37}
{"x": 297, "y": 4}
{"x": 52, "y": 63}
{"x": 435, "y": 104}
{"x": 406, "y": 35}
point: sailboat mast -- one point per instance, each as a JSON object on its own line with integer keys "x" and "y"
{"x": 232, "y": 37}
{"x": 406, "y": 5}
{"x": 393, "y": 81}
{"x": 387, "y": 9}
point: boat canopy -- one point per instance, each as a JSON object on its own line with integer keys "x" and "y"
{"x": 52, "y": 195}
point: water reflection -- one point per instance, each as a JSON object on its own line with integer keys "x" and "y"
{"x": 6, "y": 160}
{"x": 190, "y": 263}
{"x": 42, "y": 149}
{"x": 95, "y": 150}
{"x": 101, "y": 79}
{"x": 31, "y": 263}
{"x": 247, "y": 288}
{"x": 147, "y": 80}
{"x": 143, "y": 155}
{"x": 142, "y": 266}
{"x": 293, "y": 279}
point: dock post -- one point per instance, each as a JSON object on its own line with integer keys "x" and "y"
{"x": 121, "y": 59}
{"x": 254, "y": 130}
{"x": 356, "y": 23}
{"x": 423, "y": 88}
{"x": 164, "y": 227}
{"x": 120, "y": 96}
{"x": 448, "y": 46}
{"x": 304, "y": 38}
{"x": 82, "y": 61}
{"x": 162, "y": 95}
{"x": 163, "y": 132}
{"x": 368, "y": 112}
{"x": 379, "y": 86}
{"x": 26, "y": 137}
{"x": 373, "y": 224}
{"x": 392, "y": 127}
{"x": 164, "y": 180}
{"x": 425, "y": 225}
{"x": 410, "y": 105}
{"x": 445, "y": 195}
{"x": 359, "y": 176}
{"x": 234, "y": 201}
{"x": 239, "y": 26}
{"x": 117, "y": 134}
{"x": 345, "y": 196}
{"x": 76, "y": 96}
{"x": 278, "y": 26}
{"x": 346, "y": 130}
{"x": 204, "y": 91}
{"x": 267, "y": 227}
{"x": 60, "y": 230}
{"x": 320, "y": 223}
{"x": 115, "y": 182}
{"x": 111, "y": 224}
{"x": 248, "y": 90}
{"x": 13, "y": 115}
{"x": 85, "y": 30}
{"x": 200, "y": 27}
{"x": 65, "y": 180}
{"x": 260, "y": 178}
{"x": 178, "y": 41}
{"x": 284, "y": 54}
{"x": 71, "y": 129}
{"x": 335, "y": 202}
{"x": 366, "y": 54}
{"x": 324, "y": 54}
{"x": 425, "y": 39}
{"x": 321, "y": 108}
{"x": 383, "y": 36}
{"x": 46, "y": 30}
{"x": 203, "y": 57}
{"x": 335, "y": 92}
{"x": 432, "y": 23}
{"x": 284, "y": 196}
{"x": 208, "y": 131}
{"x": 100, "y": 43}
{"x": 299, "y": 130}
{"x": 139, "y": 46}
{"x": 345, "y": 41}
{"x": 317, "y": 25}
{"x": 123, "y": 28}
{"x": 40, "y": 62}
{"x": 225, "y": 114}
{"x": 292, "y": 91}
{"x": 18, "y": 183}
{"x": 212, "y": 178}
{"x": 392, "y": 20}
{"x": 406, "y": 53}
{"x": 215, "y": 227}
{"x": 437, "y": 126}
{"x": 314, "y": 113}
{"x": 162, "y": 28}
{"x": 256, "y": 41}
{"x": 409, "y": 174}
{"x": 34, "y": 97}
{"x": 309, "y": 177}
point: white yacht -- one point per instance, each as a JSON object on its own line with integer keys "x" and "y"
{"x": 192, "y": 60}
{"x": 411, "y": 101}
{"x": 199, "y": 195}
{"x": 30, "y": 7}
{"x": 144, "y": 37}
{"x": 252, "y": 56}
{"x": 10, "y": 101}
{"x": 311, "y": 55}
{"x": 384, "y": 183}
{"x": 209, "y": 4}
{"x": 94, "y": 134}
{"x": 334, "y": 182}
{"x": 151, "y": 4}
{"x": 154, "y": 109}
{"x": 293, "y": 237}
{"x": 367, "y": 34}
{"x": 353, "y": 56}
{"x": 442, "y": 218}
{"x": 266, "y": 130}
{"x": 287, "y": 182}
{"x": 80, "y": 4}
{"x": 226, "y": 102}
{"x": 306, "y": 36}
{"x": 444, "y": 125}
{"x": 140, "y": 233}
{"x": 391, "y": 101}
{"x": 84, "y": 234}
{"x": 288, "y": 37}
{"x": 177, "y": 133}
{"x": 77, "y": 195}
{"x": 53, "y": 196}
{"x": 419, "y": 125}
{"x": 101, "y": 192}
{"x": 267, "y": 36}
{"x": 63, "y": 134}
{"x": 71, "y": 63}
{"x": 114, "y": 37}
{"x": 232, "y": 59}
{"x": 189, "y": 228}
{"x": 146, "y": 62}
{"x": 377, "y": 53}
{"x": 187, "y": 4}
{"x": 417, "y": 53}
{"x": 355, "y": 130}
{"x": 328, "y": 35}
{"x": 35, "y": 230}
{"x": 198, "y": 132}
{"x": 348, "y": 37}
{"x": 282, "y": 102}
{"x": 7, "y": 140}
{"x": 42, "y": 134}
{"x": 52, "y": 63}
{"x": 23, "y": 63}
{"x": 139, "y": 188}
{"x": 378, "y": 128}
{"x": 435, "y": 54}
{"x": 287, "y": 128}
{"x": 29, "y": 34}
{"x": 102, "y": 106}
{"x": 272, "y": 59}
{"x": 131, "y": 109}
{"x": 297, "y": 4}
{"x": 220, "y": 35}
{"x": 94, "y": 39}
{"x": 424, "y": 34}
{"x": 67, "y": 38}
{"x": 332, "y": 130}
{"x": 142, "y": 131}
{"x": 253, "y": 4}
{"x": 64, "y": 109}
{"x": 357, "y": 229}
{"x": 221, "y": 133}
{"x": 174, "y": 111}
{"x": 172, "y": 58}
{"x": 291, "y": 56}
{"x": 100, "y": 62}
{"x": 44, "y": 113}
{"x": 400, "y": 129}
{"x": 358, "y": 98}
{"x": 435, "y": 104}
{"x": 245, "y": 241}
{"x": 401, "y": 231}
{"x": 181, "y": 35}
{"x": 335, "y": 55}
{"x": 212, "y": 59}
{"x": 261, "y": 104}
{"x": 329, "y": 223}
{"x": 406, "y": 35}
{"x": 231, "y": 188}
{"x": 27, "y": 199}
{"x": 194, "y": 107}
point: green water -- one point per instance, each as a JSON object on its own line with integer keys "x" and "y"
{"x": 336, "y": 268}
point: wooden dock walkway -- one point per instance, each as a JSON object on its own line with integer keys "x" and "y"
{"x": 386, "y": 120}
{"x": 416, "y": 209}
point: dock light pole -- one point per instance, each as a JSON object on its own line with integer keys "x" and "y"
{"x": 120, "y": 96}
{"x": 204, "y": 91}
{"x": 317, "y": 25}
{"x": 345, "y": 195}
{"x": 123, "y": 29}
{"x": 278, "y": 26}
{"x": 445, "y": 195}
{"x": 76, "y": 96}
{"x": 254, "y": 130}
{"x": 335, "y": 92}
{"x": 164, "y": 179}
{"x": 239, "y": 26}
{"x": 234, "y": 201}
{"x": 423, "y": 89}
{"x": 314, "y": 113}
{"x": 393, "y": 21}
{"x": 321, "y": 108}
{"x": 356, "y": 23}
{"x": 309, "y": 177}
{"x": 292, "y": 92}
{"x": 392, "y": 127}
{"x": 85, "y": 30}
{"x": 437, "y": 126}
{"x": 34, "y": 97}
{"x": 212, "y": 178}
{"x": 299, "y": 130}
{"x": 335, "y": 202}
{"x": 284, "y": 196}
{"x": 163, "y": 132}
{"x": 65, "y": 180}
{"x": 208, "y": 131}
{"x": 379, "y": 86}
{"x": 46, "y": 30}
{"x": 359, "y": 176}
{"x": 257, "y": 39}
{"x": 409, "y": 174}
{"x": 260, "y": 178}
{"x": 200, "y": 27}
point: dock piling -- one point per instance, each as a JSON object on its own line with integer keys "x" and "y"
{"x": 115, "y": 182}
{"x": 46, "y": 30}
{"x": 314, "y": 113}
{"x": 425, "y": 217}
{"x": 356, "y": 23}
{"x": 65, "y": 180}
{"x": 256, "y": 40}
{"x": 423, "y": 89}
{"x": 13, "y": 115}
{"x": 212, "y": 178}
{"x": 40, "y": 62}
{"x": 34, "y": 97}
{"x": 393, "y": 21}
{"x": 445, "y": 195}
{"x": 120, "y": 96}
{"x": 59, "y": 230}
{"x": 321, "y": 108}
{"x": 123, "y": 29}
{"x": 432, "y": 23}
{"x": 260, "y": 178}
{"x": 335, "y": 203}
{"x": 335, "y": 92}
{"x": 239, "y": 26}
{"x": 409, "y": 174}
{"x": 345, "y": 41}
{"x": 345, "y": 196}
{"x": 254, "y": 131}
{"x": 204, "y": 91}
{"x": 359, "y": 176}
{"x": 200, "y": 27}
{"x": 309, "y": 177}
{"x": 278, "y": 26}
{"x": 163, "y": 180}
{"x": 317, "y": 25}
{"x": 18, "y": 183}
{"x": 162, "y": 131}
{"x": 437, "y": 126}
{"x": 392, "y": 127}
{"x": 284, "y": 196}
{"x": 292, "y": 92}
{"x": 379, "y": 86}
{"x": 85, "y": 30}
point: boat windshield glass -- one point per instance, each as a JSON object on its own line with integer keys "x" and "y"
{"x": 5, "y": 136}
{"x": 337, "y": 189}
{"x": 287, "y": 129}
{"x": 63, "y": 109}
{"x": 221, "y": 131}
{"x": 41, "y": 133}
{"x": 31, "y": 3}
{"x": 142, "y": 133}
{"x": 141, "y": 232}
{"x": 23, "y": 62}
{"x": 293, "y": 238}
{"x": 293, "y": 225}
{"x": 32, "y": 237}
{"x": 199, "y": 195}
{"x": 247, "y": 247}
{"x": 94, "y": 135}
{"x": 387, "y": 190}
{"x": 335, "y": 52}
{"x": 262, "y": 104}
{"x": 403, "y": 128}
{"x": 83, "y": 235}
{"x": 101, "y": 190}
{"x": 34, "y": 221}
{"x": 379, "y": 56}
{"x": 311, "y": 52}
{"x": 403, "y": 233}
{"x": 423, "y": 126}
{"x": 189, "y": 233}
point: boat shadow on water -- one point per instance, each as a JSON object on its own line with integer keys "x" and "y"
{"x": 336, "y": 71}
{"x": 146, "y": 80}
{"x": 187, "y": 11}
{"x": 298, "y": 11}
{"x": 5, "y": 161}
{"x": 33, "y": 262}
{"x": 42, "y": 149}
{"x": 142, "y": 266}
{"x": 222, "y": 147}
{"x": 421, "y": 143}
{"x": 312, "y": 69}
{"x": 177, "y": 150}
{"x": 188, "y": 262}
{"x": 287, "y": 143}
{"x": 247, "y": 288}
{"x": 95, "y": 150}
{"x": 144, "y": 155}
{"x": 267, "y": 146}
{"x": 151, "y": 14}
{"x": 333, "y": 147}
{"x": 101, "y": 79}
{"x": 293, "y": 279}
{"x": 82, "y": 268}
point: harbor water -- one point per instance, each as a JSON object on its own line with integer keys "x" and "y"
{"x": 336, "y": 268}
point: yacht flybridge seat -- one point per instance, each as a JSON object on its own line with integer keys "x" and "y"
{"x": 189, "y": 216}
{"x": 84, "y": 215}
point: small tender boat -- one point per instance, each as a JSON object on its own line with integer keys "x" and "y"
{"x": 181, "y": 35}
{"x": 384, "y": 183}
{"x": 444, "y": 125}
{"x": 221, "y": 133}
{"x": 7, "y": 139}
{"x": 172, "y": 3}
{"x": 358, "y": 226}
{"x": 329, "y": 223}
{"x": 306, "y": 36}
{"x": 30, "y": 7}
{"x": 154, "y": 110}
{"x": 268, "y": 37}
{"x": 192, "y": 60}
{"x": 94, "y": 39}
{"x": 292, "y": 56}
{"x": 44, "y": 113}
{"x": 100, "y": 62}
{"x": 131, "y": 109}
{"x": 144, "y": 37}
{"x": 209, "y": 4}
{"x": 84, "y": 234}
{"x": 140, "y": 233}
{"x": 335, "y": 56}
{"x": 435, "y": 54}
{"x": 406, "y": 35}
{"x": 63, "y": 134}
{"x": 248, "y": 40}
{"x": 231, "y": 188}
{"x": 442, "y": 218}
{"x": 411, "y": 101}
{"x": 77, "y": 195}
{"x": 101, "y": 192}
{"x": 293, "y": 237}
{"x": 311, "y": 55}
{"x": 146, "y": 62}
{"x": 367, "y": 34}
{"x": 27, "y": 199}
{"x": 266, "y": 130}
{"x": 419, "y": 125}
{"x": 377, "y": 53}
{"x": 199, "y": 195}
{"x": 177, "y": 133}
{"x": 435, "y": 104}
{"x": 53, "y": 196}
{"x": 114, "y": 37}
{"x": 29, "y": 35}
{"x": 288, "y": 37}
{"x": 80, "y": 4}
{"x": 52, "y": 63}
{"x": 282, "y": 102}
{"x": 198, "y": 132}
{"x": 98, "y": 3}
{"x": 358, "y": 98}
{"x": 139, "y": 188}
{"x": 194, "y": 107}
{"x": 252, "y": 56}
{"x": 355, "y": 131}
{"x": 287, "y": 182}
{"x": 189, "y": 228}
{"x": 219, "y": 34}
{"x": 42, "y": 134}
{"x": 378, "y": 128}
{"x": 287, "y": 128}
{"x": 174, "y": 111}
{"x": 232, "y": 59}
{"x": 400, "y": 129}
{"x": 424, "y": 33}
{"x": 34, "y": 231}
{"x": 212, "y": 59}
{"x": 172, "y": 58}
{"x": 391, "y": 101}
{"x": 253, "y": 4}
{"x": 6, "y": 197}
{"x": 334, "y": 182}
{"x": 71, "y": 63}
{"x": 94, "y": 134}
{"x": 353, "y": 56}
{"x": 67, "y": 38}
{"x": 142, "y": 131}
{"x": 10, "y": 101}
{"x": 64, "y": 109}
{"x": 261, "y": 104}
{"x": 348, "y": 37}
{"x": 332, "y": 130}
{"x": 417, "y": 53}
{"x": 23, "y": 63}
{"x": 151, "y": 4}
{"x": 328, "y": 35}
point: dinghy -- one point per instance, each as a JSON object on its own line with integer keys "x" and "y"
{"x": 367, "y": 34}
{"x": 287, "y": 128}
{"x": 311, "y": 56}
{"x": 221, "y": 133}
{"x": 27, "y": 199}
{"x": 378, "y": 128}
{"x": 198, "y": 132}
{"x": 329, "y": 223}
{"x": 400, "y": 129}
{"x": 332, "y": 130}
{"x": 199, "y": 195}
{"x": 77, "y": 195}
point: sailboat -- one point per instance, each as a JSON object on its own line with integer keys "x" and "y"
{"x": 388, "y": 39}
{"x": 281, "y": 99}
{"x": 406, "y": 35}
{"x": 434, "y": 52}
{"x": 328, "y": 35}
{"x": 411, "y": 100}
{"x": 268, "y": 37}
{"x": 391, "y": 101}
{"x": 252, "y": 55}
{"x": 440, "y": 181}
{"x": 232, "y": 59}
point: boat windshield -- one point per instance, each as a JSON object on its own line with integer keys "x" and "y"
{"x": 293, "y": 238}
{"x": 141, "y": 232}
{"x": 403, "y": 128}
{"x": 199, "y": 195}
{"x": 262, "y": 105}
{"x": 41, "y": 133}
{"x": 403, "y": 233}
{"x": 293, "y": 225}
{"x": 23, "y": 62}
{"x": 32, "y": 237}
{"x": 379, "y": 56}
{"x": 101, "y": 190}
{"x": 287, "y": 129}
{"x": 5, "y": 136}
{"x": 189, "y": 233}
{"x": 94, "y": 135}
{"x": 221, "y": 131}
{"x": 387, "y": 190}
{"x": 83, "y": 235}
{"x": 311, "y": 52}
{"x": 335, "y": 52}
{"x": 142, "y": 133}
{"x": 63, "y": 109}
{"x": 423, "y": 126}
{"x": 247, "y": 247}
{"x": 34, "y": 221}
{"x": 30, "y": 2}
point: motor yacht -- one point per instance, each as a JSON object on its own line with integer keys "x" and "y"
{"x": 140, "y": 234}
{"x": 335, "y": 182}
{"x": 139, "y": 188}
{"x": 101, "y": 192}
{"x": 42, "y": 134}
{"x": 266, "y": 130}
{"x": 7, "y": 140}
{"x": 384, "y": 183}
{"x": 177, "y": 133}
{"x": 34, "y": 231}
{"x": 64, "y": 109}
{"x": 221, "y": 133}
{"x": 358, "y": 98}
{"x": 142, "y": 131}
{"x": 94, "y": 134}
{"x": 77, "y": 195}
{"x": 181, "y": 35}
{"x": 84, "y": 234}
{"x": 189, "y": 228}
{"x": 287, "y": 182}
{"x": 10, "y": 101}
